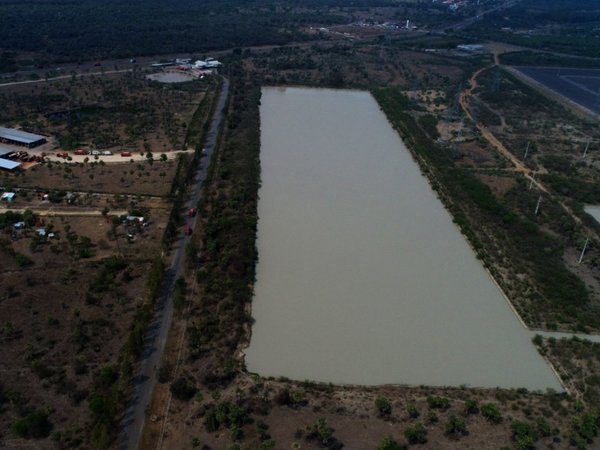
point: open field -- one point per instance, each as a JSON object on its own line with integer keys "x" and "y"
{"x": 79, "y": 278}
{"x": 579, "y": 85}
{"x": 67, "y": 302}
{"x": 115, "y": 112}
{"x": 119, "y": 178}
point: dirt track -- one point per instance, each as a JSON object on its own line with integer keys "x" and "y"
{"x": 64, "y": 211}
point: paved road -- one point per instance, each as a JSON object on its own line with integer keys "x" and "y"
{"x": 132, "y": 424}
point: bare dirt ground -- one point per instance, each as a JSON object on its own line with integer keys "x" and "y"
{"x": 124, "y": 178}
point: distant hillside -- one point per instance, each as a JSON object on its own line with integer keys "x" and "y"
{"x": 566, "y": 26}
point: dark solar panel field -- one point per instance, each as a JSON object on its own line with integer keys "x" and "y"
{"x": 579, "y": 85}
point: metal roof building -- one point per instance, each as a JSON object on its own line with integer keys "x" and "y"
{"x": 4, "y": 151}
{"x": 7, "y": 164}
{"x": 18, "y": 137}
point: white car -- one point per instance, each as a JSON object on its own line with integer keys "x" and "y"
{"x": 107, "y": 153}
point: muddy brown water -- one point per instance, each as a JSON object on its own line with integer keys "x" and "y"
{"x": 362, "y": 277}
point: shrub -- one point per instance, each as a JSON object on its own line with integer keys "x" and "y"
{"x": 471, "y": 406}
{"x": 182, "y": 389}
{"x": 389, "y": 444}
{"x": 416, "y": 434}
{"x": 491, "y": 412}
{"x": 97, "y": 404}
{"x": 412, "y": 410}
{"x": 108, "y": 375}
{"x": 523, "y": 435}
{"x": 456, "y": 426}
{"x": 35, "y": 425}
{"x": 437, "y": 402}
{"x": 383, "y": 405}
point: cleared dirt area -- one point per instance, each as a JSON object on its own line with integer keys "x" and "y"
{"x": 126, "y": 178}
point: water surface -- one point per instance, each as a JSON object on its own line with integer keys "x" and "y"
{"x": 362, "y": 276}
{"x": 594, "y": 211}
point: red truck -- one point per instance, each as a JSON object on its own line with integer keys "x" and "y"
{"x": 125, "y": 154}
{"x": 80, "y": 151}
{"x": 62, "y": 154}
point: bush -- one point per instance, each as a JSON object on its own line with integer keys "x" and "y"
{"x": 524, "y": 435}
{"x": 35, "y": 425}
{"x": 490, "y": 412}
{"x": 389, "y": 444}
{"x": 416, "y": 434}
{"x": 97, "y": 404}
{"x": 383, "y": 405}
{"x": 182, "y": 389}
{"x": 456, "y": 426}
{"x": 437, "y": 402}
{"x": 471, "y": 406}
{"x": 412, "y": 410}
{"x": 108, "y": 375}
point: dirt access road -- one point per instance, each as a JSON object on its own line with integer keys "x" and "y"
{"x": 48, "y": 212}
{"x": 134, "y": 418}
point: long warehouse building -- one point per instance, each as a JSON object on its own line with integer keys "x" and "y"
{"x": 18, "y": 137}
{"x": 7, "y": 164}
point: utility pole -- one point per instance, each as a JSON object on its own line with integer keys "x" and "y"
{"x": 537, "y": 207}
{"x": 586, "y": 149}
{"x": 526, "y": 151}
{"x": 532, "y": 180}
{"x": 583, "y": 251}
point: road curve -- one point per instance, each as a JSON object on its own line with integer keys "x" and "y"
{"x": 134, "y": 418}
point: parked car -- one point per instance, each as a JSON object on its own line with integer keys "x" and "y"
{"x": 96, "y": 152}
{"x": 80, "y": 151}
{"x": 125, "y": 154}
{"x": 107, "y": 153}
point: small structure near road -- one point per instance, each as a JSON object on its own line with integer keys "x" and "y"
{"x": 7, "y": 197}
